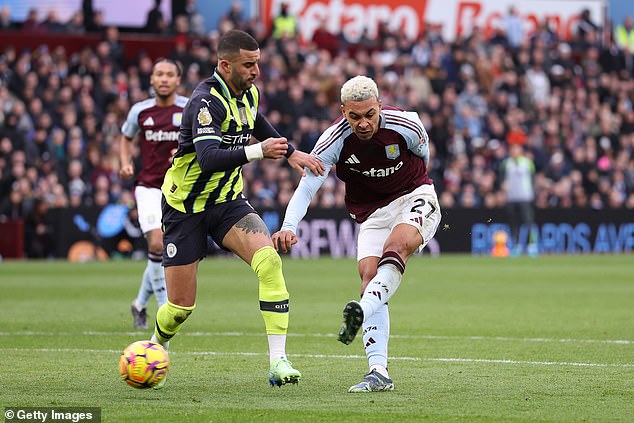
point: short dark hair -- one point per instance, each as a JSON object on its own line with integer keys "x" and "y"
{"x": 233, "y": 41}
{"x": 179, "y": 68}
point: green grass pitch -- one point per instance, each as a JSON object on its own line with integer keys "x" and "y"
{"x": 474, "y": 339}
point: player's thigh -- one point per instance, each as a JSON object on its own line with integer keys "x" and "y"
{"x": 247, "y": 236}
{"x": 372, "y": 235}
{"x": 184, "y": 237}
{"x": 419, "y": 209}
{"x": 148, "y": 204}
{"x": 236, "y": 227}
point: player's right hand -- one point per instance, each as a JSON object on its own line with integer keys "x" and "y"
{"x": 126, "y": 172}
{"x": 283, "y": 240}
{"x": 274, "y": 148}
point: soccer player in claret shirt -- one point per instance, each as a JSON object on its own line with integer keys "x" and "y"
{"x": 381, "y": 154}
{"x": 156, "y": 123}
{"x": 203, "y": 195}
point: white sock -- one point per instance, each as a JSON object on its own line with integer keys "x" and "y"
{"x": 145, "y": 291}
{"x": 376, "y": 334}
{"x": 380, "y": 289}
{"x": 165, "y": 344}
{"x": 277, "y": 347}
{"x": 157, "y": 278}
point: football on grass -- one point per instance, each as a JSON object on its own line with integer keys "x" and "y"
{"x": 144, "y": 364}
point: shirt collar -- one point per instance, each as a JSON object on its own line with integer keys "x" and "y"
{"x": 226, "y": 90}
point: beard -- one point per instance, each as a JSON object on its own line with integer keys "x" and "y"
{"x": 241, "y": 84}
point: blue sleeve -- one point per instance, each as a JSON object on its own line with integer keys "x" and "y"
{"x": 303, "y": 195}
{"x": 131, "y": 126}
{"x": 207, "y": 136}
{"x": 418, "y": 144}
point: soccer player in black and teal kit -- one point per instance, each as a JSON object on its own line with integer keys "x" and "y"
{"x": 203, "y": 195}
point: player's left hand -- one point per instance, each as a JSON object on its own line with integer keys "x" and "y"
{"x": 299, "y": 160}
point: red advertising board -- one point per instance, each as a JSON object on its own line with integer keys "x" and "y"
{"x": 456, "y": 17}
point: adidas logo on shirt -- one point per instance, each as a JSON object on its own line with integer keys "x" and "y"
{"x": 352, "y": 160}
{"x": 148, "y": 122}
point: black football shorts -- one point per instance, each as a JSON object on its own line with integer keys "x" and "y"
{"x": 185, "y": 234}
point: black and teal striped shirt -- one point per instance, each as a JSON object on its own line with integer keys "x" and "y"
{"x": 216, "y": 126}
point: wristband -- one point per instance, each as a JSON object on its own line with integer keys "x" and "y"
{"x": 290, "y": 150}
{"x": 254, "y": 152}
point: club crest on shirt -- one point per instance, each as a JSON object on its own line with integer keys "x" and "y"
{"x": 177, "y": 118}
{"x": 242, "y": 112}
{"x": 204, "y": 117}
{"x": 392, "y": 151}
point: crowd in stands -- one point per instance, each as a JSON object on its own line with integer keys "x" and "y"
{"x": 569, "y": 102}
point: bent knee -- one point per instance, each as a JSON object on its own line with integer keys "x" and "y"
{"x": 155, "y": 245}
{"x": 266, "y": 259}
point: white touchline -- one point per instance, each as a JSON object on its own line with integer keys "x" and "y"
{"x": 332, "y": 335}
{"x": 336, "y": 356}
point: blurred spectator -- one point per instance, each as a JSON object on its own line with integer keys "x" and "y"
{"x": 38, "y": 233}
{"x": 76, "y": 186}
{"x": 75, "y": 24}
{"x": 326, "y": 40}
{"x": 284, "y": 24}
{"x": 514, "y": 28}
{"x": 97, "y": 23}
{"x": 52, "y": 23}
{"x": 116, "y": 53}
{"x": 538, "y": 83}
{"x": 195, "y": 19}
{"x": 234, "y": 15}
{"x": 5, "y": 18}
{"x": 155, "y": 22}
{"x": 12, "y": 206}
{"x": 517, "y": 175}
{"x": 624, "y": 35}
{"x": 32, "y": 23}
{"x": 181, "y": 27}
{"x": 544, "y": 35}
{"x": 586, "y": 28}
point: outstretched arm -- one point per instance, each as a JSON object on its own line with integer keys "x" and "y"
{"x": 296, "y": 210}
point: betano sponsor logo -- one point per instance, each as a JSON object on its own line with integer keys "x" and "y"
{"x": 454, "y": 18}
{"x": 379, "y": 173}
{"x": 355, "y": 18}
{"x": 161, "y": 135}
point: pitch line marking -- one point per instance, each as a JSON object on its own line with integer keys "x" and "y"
{"x": 332, "y": 335}
{"x": 336, "y": 356}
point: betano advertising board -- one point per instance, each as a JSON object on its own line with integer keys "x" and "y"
{"x": 455, "y": 17}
